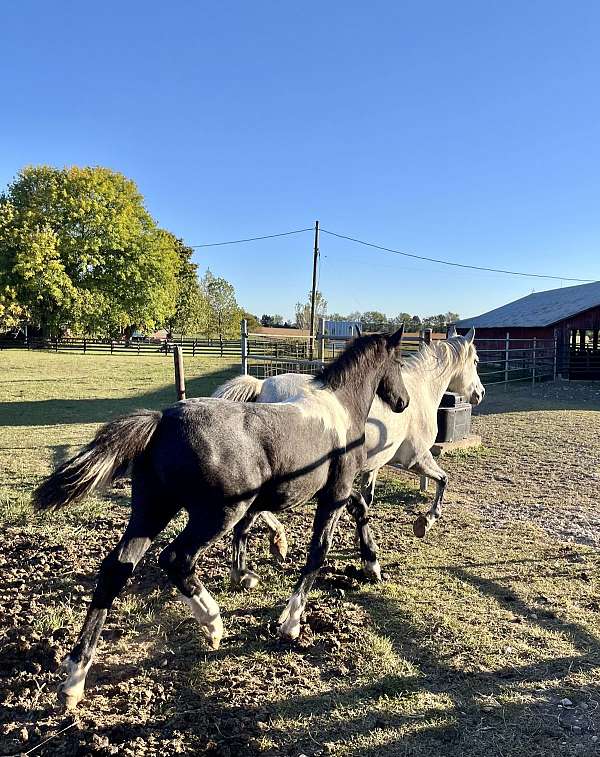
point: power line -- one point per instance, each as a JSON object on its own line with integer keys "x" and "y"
{"x": 450, "y": 263}
{"x": 252, "y": 239}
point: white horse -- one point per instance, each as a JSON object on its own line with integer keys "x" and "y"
{"x": 406, "y": 438}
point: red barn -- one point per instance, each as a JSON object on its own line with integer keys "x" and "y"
{"x": 569, "y": 317}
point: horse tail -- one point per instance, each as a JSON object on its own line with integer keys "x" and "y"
{"x": 115, "y": 445}
{"x": 240, "y": 389}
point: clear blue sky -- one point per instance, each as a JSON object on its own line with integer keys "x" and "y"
{"x": 467, "y": 130}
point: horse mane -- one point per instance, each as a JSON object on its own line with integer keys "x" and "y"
{"x": 438, "y": 354}
{"x": 359, "y": 354}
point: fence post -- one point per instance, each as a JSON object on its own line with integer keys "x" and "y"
{"x": 221, "y": 343}
{"x": 112, "y": 346}
{"x": 179, "y": 374}
{"x": 84, "y": 345}
{"x": 244, "y": 338}
{"x": 533, "y": 362}
{"x": 321, "y": 341}
{"x": 555, "y": 361}
{"x": 506, "y": 350}
{"x": 55, "y": 344}
{"x": 194, "y": 348}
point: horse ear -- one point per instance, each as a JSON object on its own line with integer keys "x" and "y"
{"x": 470, "y": 336}
{"x": 394, "y": 340}
{"x": 451, "y": 331}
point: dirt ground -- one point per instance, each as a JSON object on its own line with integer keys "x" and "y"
{"x": 482, "y": 640}
{"x": 544, "y": 462}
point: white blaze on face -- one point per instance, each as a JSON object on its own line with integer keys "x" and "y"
{"x": 207, "y": 613}
{"x": 290, "y": 618}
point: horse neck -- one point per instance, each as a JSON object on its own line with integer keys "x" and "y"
{"x": 432, "y": 371}
{"x": 357, "y": 394}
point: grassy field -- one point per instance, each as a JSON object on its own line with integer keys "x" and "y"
{"x": 482, "y": 640}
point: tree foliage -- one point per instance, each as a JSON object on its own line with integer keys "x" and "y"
{"x": 302, "y": 310}
{"x": 224, "y": 313}
{"x": 79, "y": 250}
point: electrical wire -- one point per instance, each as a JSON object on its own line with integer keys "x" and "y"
{"x": 450, "y": 263}
{"x": 252, "y": 239}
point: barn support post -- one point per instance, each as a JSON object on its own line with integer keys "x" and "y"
{"x": 533, "y": 358}
{"x": 506, "y": 351}
{"x": 244, "y": 344}
{"x": 555, "y": 357}
{"x": 179, "y": 374}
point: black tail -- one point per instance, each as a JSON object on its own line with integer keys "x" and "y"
{"x": 115, "y": 445}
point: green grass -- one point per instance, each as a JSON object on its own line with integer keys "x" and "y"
{"x": 466, "y": 648}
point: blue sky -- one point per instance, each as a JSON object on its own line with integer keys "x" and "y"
{"x": 466, "y": 131}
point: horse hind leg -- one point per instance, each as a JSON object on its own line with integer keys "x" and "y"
{"x": 357, "y": 507}
{"x": 277, "y": 539}
{"x": 241, "y": 576}
{"x": 427, "y": 466}
{"x": 179, "y": 559}
{"x": 145, "y": 523}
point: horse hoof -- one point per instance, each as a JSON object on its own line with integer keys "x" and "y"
{"x": 420, "y": 526}
{"x": 249, "y": 580}
{"x": 289, "y": 631}
{"x": 71, "y": 699}
{"x": 244, "y": 580}
{"x": 372, "y": 571}
{"x": 279, "y": 547}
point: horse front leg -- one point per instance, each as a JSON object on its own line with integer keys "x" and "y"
{"x": 357, "y": 507}
{"x": 326, "y": 517}
{"x": 367, "y": 486}
{"x": 427, "y": 466}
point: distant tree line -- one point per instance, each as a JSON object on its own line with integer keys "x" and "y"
{"x": 376, "y": 319}
{"x": 80, "y": 254}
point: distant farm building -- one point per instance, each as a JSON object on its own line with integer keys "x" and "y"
{"x": 570, "y": 317}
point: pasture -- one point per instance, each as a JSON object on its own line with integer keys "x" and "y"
{"x": 483, "y": 639}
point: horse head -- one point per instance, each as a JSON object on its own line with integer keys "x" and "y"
{"x": 465, "y": 380}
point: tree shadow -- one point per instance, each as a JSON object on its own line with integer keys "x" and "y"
{"x": 55, "y": 412}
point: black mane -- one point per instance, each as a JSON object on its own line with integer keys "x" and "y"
{"x": 361, "y": 352}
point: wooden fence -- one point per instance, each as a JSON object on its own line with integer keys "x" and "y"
{"x": 84, "y": 345}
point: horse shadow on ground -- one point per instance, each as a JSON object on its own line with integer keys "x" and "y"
{"x": 55, "y": 412}
{"x": 218, "y": 727}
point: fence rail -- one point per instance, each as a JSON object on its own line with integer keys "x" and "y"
{"x": 501, "y": 360}
{"x": 208, "y": 347}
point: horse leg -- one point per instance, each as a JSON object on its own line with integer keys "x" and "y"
{"x": 326, "y": 518}
{"x": 179, "y": 559}
{"x": 357, "y": 507}
{"x": 427, "y": 466}
{"x": 278, "y": 541}
{"x": 146, "y": 522}
{"x": 367, "y": 486}
{"x": 240, "y": 575}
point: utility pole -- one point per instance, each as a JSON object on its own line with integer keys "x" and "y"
{"x": 313, "y": 296}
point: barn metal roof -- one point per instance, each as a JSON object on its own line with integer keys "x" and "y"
{"x": 539, "y": 308}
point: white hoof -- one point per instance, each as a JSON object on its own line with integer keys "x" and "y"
{"x": 207, "y": 613}
{"x": 71, "y": 691}
{"x": 372, "y": 570}
{"x": 290, "y": 618}
{"x": 247, "y": 579}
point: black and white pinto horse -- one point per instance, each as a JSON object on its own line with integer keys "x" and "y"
{"x": 224, "y": 462}
{"x": 405, "y": 440}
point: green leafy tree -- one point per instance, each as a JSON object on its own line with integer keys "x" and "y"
{"x": 303, "y": 311}
{"x": 374, "y": 320}
{"x": 191, "y": 306}
{"x": 224, "y": 313}
{"x": 272, "y": 320}
{"x": 79, "y": 250}
{"x": 253, "y": 322}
